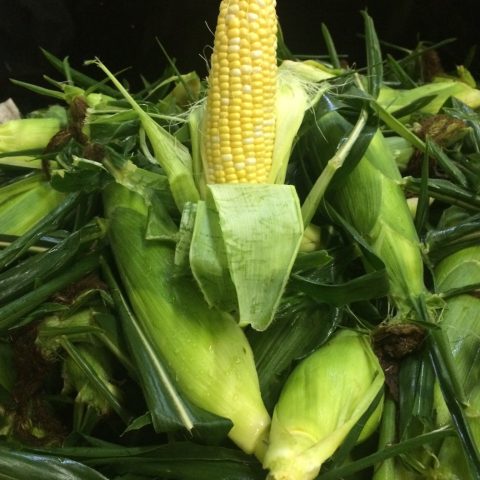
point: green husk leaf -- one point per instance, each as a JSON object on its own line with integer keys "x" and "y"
{"x": 175, "y": 460}
{"x": 332, "y": 51}
{"x": 366, "y": 287}
{"x": 443, "y": 88}
{"x": 299, "y": 328}
{"x": 446, "y": 163}
{"x": 24, "y": 202}
{"x": 374, "y": 57}
{"x": 43, "y": 266}
{"x": 389, "y": 452}
{"x": 185, "y": 232}
{"x": 160, "y": 225}
{"x": 19, "y": 465}
{"x": 208, "y": 259}
{"x": 400, "y": 73}
{"x": 445, "y": 191}
{"x": 173, "y": 156}
{"x": 421, "y": 212}
{"x": 168, "y": 409}
{"x": 12, "y": 313}
{"x": 88, "y": 371}
{"x": 236, "y": 235}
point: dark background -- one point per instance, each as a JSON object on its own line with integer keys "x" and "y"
{"x": 122, "y": 33}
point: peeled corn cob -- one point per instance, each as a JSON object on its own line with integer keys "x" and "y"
{"x": 248, "y": 125}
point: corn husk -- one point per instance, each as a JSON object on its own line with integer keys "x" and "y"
{"x": 171, "y": 154}
{"x": 27, "y": 134}
{"x": 370, "y": 200}
{"x": 300, "y": 86}
{"x": 236, "y": 256}
{"x": 24, "y": 202}
{"x": 204, "y": 349}
{"x": 440, "y": 89}
{"x": 320, "y": 403}
{"x": 461, "y": 322}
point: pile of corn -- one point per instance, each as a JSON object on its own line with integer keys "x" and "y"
{"x": 272, "y": 273}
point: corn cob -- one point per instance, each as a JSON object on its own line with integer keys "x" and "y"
{"x": 240, "y": 113}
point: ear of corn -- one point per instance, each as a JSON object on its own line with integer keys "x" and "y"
{"x": 204, "y": 349}
{"x": 320, "y": 403}
{"x": 461, "y": 322}
{"x": 254, "y": 108}
{"x": 441, "y": 90}
{"x": 371, "y": 200}
{"x": 27, "y": 134}
{"x": 248, "y": 126}
{"x": 24, "y": 202}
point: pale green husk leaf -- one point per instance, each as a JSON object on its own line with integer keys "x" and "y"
{"x": 244, "y": 243}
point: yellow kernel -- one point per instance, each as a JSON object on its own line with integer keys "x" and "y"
{"x": 237, "y": 151}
